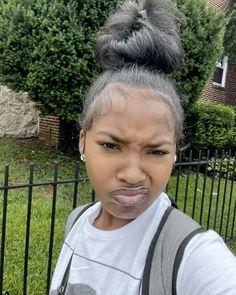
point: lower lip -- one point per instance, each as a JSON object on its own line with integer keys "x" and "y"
{"x": 129, "y": 200}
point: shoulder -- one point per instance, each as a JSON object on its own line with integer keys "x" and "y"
{"x": 78, "y": 216}
{"x": 207, "y": 268}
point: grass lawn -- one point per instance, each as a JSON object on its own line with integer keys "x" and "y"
{"x": 18, "y": 154}
{"x": 213, "y": 206}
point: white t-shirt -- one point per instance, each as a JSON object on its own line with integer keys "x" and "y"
{"x": 112, "y": 262}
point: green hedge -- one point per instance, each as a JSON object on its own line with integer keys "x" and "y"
{"x": 229, "y": 38}
{"x": 215, "y": 126}
{"x": 233, "y": 140}
{"x": 202, "y": 37}
{"x": 46, "y": 49}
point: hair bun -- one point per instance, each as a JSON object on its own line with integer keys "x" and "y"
{"x": 141, "y": 33}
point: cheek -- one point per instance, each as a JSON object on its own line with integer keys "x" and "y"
{"x": 161, "y": 174}
{"x": 98, "y": 173}
{"x": 167, "y": 170}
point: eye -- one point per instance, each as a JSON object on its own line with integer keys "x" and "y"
{"x": 157, "y": 152}
{"x": 109, "y": 146}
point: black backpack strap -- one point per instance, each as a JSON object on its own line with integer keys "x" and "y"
{"x": 74, "y": 216}
{"x": 166, "y": 251}
{"x": 173, "y": 203}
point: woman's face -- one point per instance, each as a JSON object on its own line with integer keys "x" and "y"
{"x": 129, "y": 153}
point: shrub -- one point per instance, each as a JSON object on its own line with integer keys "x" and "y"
{"x": 215, "y": 125}
{"x": 202, "y": 37}
{"x": 64, "y": 65}
{"x": 17, "y": 22}
{"x": 54, "y": 78}
{"x": 223, "y": 167}
{"x": 46, "y": 49}
{"x": 229, "y": 38}
{"x": 232, "y": 142}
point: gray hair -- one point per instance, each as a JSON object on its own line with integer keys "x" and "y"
{"x": 141, "y": 32}
{"x": 137, "y": 46}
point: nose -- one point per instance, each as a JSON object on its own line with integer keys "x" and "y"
{"x": 131, "y": 171}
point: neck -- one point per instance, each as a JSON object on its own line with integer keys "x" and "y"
{"x": 106, "y": 221}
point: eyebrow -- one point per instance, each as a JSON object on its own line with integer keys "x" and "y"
{"x": 159, "y": 144}
{"x": 124, "y": 141}
{"x": 113, "y": 137}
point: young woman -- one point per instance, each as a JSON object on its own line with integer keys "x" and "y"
{"x": 131, "y": 124}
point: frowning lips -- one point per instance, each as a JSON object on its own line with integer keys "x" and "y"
{"x": 130, "y": 196}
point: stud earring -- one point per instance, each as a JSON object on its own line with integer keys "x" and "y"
{"x": 82, "y": 157}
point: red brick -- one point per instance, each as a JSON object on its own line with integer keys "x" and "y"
{"x": 211, "y": 92}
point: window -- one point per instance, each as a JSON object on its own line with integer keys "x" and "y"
{"x": 219, "y": 76}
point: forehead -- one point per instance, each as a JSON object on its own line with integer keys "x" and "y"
{"x": 134, "y": 108}
{"x": 114, "y": 98}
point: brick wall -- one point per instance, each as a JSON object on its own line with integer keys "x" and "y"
{"x": 222, "y": 95}
{"x": 58, "y": 133}
{"x": 211, "y": 92}
{"x": 230, "y": 88}
{"x": 49, "y": 129}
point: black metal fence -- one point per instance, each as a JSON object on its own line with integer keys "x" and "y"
{"x": 203, "y": 185}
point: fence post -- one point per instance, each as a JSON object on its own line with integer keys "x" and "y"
{"x": 224, "y": 194}
{"x": 177, "y": 177}
{"x": 218, "y": 189}
{"x": 76, "y": 175}
{"x": 4, "y": 219}
{"x": 187, "y": 182}
{"x": 204, "y": 187}
{"x": 27, "y": 236}
{"x": 196, "y": 184}
{"x": 50, "y": 248}
{"x": 212, "y": 189}
{"x": 234, "y": 211}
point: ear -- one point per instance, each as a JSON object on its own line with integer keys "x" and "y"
{"x": 81, "y": 142}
